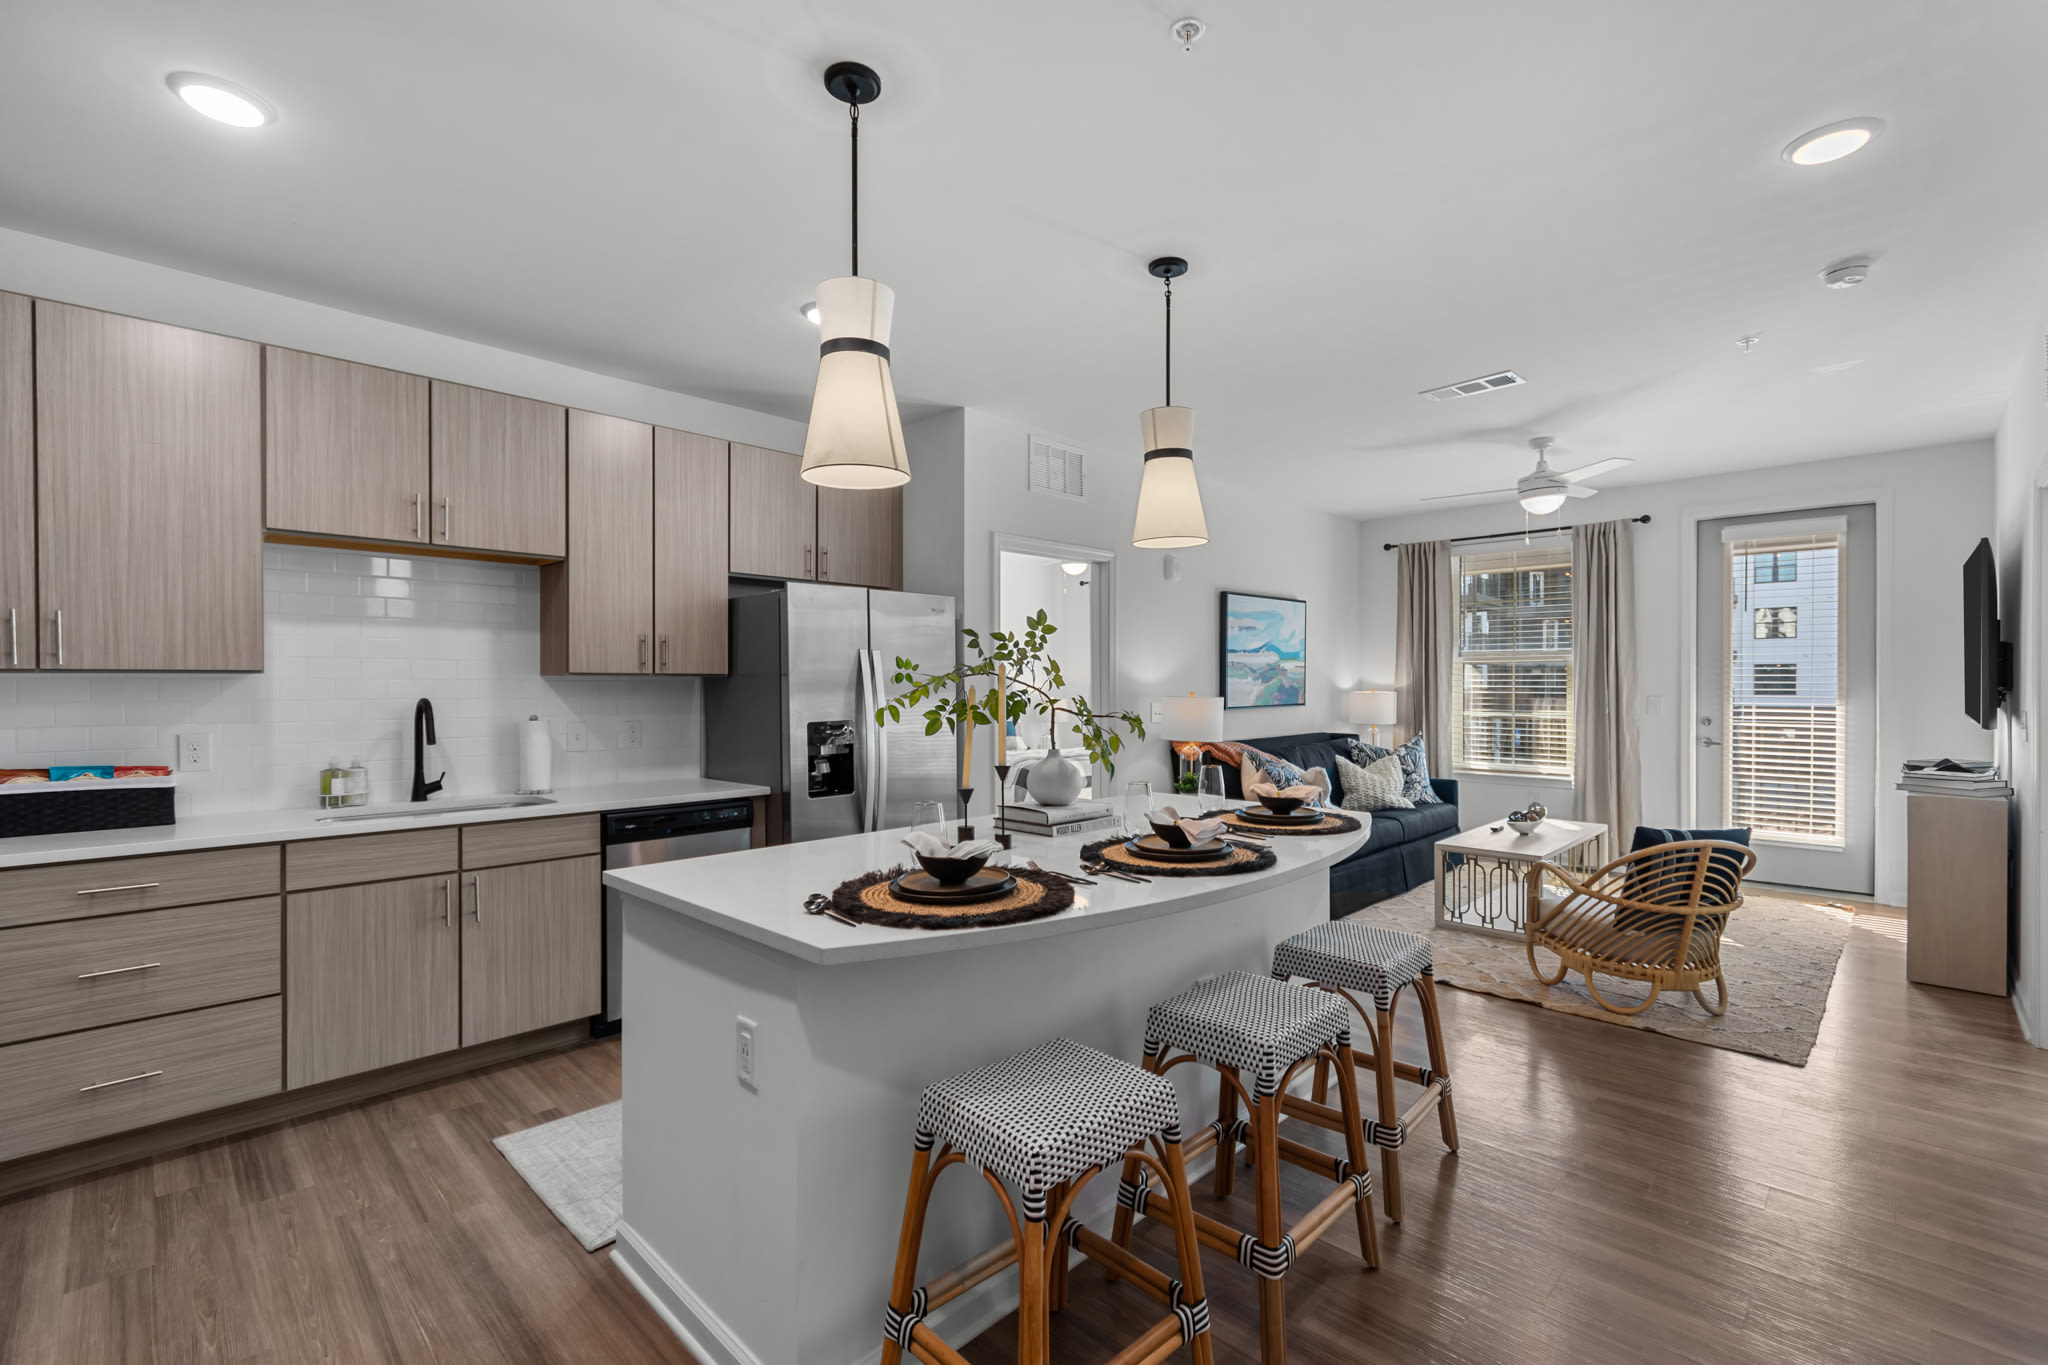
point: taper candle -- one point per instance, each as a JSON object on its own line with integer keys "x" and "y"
{"x": 1002, "y": 722}
{"x": 967, "y": 753}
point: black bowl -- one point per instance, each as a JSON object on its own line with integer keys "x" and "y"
{"x": 952, "y": 871}
{"x": 1173, "y": 834}
{"x": 1281, "y": 805}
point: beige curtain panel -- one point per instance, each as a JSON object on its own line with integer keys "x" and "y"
{"x": 1422, "y": 648}
{"x": 1607, "y": 765}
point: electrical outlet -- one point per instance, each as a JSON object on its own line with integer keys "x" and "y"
{"x": 195, "y": 751}
{"x": 746, "y": 1054}
{"x": 1158, "y": 712}
{"x": 632, "y": 734}
{"x": 576, "y": 736}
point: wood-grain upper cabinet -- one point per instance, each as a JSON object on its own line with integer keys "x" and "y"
{"x": 372, "y": 976}
{"x": 597, "y": 606}
{"x": 149, "y": 475}
{"x": 345, "y": 448}
{"x": 860, "y": 537}
{"x": 500, "y": 472}
{"x": 774, "y": 514}
{"x": 691, "y": 519}
{"x": 17, "y": 485}
{"x": 531, "y": 942}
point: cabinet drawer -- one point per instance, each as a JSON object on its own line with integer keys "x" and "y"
{"x": 369, "y": 858}
{"x": 59, "y": 891}
{"x": 59, "y": 1091}
{"x": 529, "y": 841}
{"x": 58, "y": 978}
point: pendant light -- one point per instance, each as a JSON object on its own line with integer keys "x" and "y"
{"x": 1169, "y": 501}
{"x": 855, "y": 438}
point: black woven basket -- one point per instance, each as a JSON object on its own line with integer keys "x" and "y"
{"x": 69, "y": 809}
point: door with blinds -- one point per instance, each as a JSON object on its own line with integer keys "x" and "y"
{"x": 1785, "y": 739}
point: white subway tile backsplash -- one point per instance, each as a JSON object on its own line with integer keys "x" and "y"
{"x": 351, "y": 641}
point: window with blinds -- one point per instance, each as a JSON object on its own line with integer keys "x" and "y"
{"x": 1513, "y": 666}
{"x": 1786, "y": 770}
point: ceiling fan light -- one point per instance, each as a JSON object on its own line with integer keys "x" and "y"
{"x": 855, "y": 439}
{"x": 1542, "y": 503}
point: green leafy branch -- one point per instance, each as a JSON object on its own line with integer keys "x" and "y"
{"x": 1034, "y": 683}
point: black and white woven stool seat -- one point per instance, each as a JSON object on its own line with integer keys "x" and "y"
{"x": 1358, "y": 957}
{"x": 1254, "y": 1024}
{"x": 1049, "y": 1114}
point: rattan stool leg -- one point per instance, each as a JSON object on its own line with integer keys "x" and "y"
{"x": 1034, "y": 1320}
{"x": 1188, "y": 1249}
{"x": 1265, "y": 1125}
{"x": 903, "y": 1284}
{"x": 1354, "y": 1151}
{"x": 1226, "y": 1147}
{"x": 1390, "y": 1110}
{"x": 1439, "y": 1058}
{"x": 1322, "y": 1090}
{"x": 1120, "y": 1230}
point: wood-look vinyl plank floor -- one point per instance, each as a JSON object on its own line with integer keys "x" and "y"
{"x": 1620, "y": 1195}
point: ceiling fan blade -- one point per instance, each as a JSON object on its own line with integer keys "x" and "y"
{"x": 1579, "y": 490}
{"x": 1593, "y": 470}
{"x": 1481, "y": 493}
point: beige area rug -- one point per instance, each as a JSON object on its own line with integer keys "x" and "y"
{"x": 1778, "y": 955}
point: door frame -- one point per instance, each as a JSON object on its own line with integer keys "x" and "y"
{"x": 1688, "y": 592}
{"x": 1102, "y": 607}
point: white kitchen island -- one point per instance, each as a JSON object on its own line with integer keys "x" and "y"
{"x": 761, "y": 1221}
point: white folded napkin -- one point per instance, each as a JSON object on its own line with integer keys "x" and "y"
{"x": 1200, "y": 830}
{"x": 931, "y": 847}
{"x": 1301, "y": 791}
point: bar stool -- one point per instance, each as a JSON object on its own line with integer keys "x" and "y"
{"x": 1257, "y": 1029}
{"x": 1344, "y": 957}
{"x": 1042, "y": 1124}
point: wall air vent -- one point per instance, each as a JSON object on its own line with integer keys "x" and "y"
{"x": 1057, "y": 469}
{"x": 1486, "y": 383}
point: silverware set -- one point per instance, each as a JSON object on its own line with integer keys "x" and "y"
{"x": 1063, "y": 876}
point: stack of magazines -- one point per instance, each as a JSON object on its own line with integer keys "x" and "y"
{"x": 1079, "y": 817}
{"x": 1952, "y": 777}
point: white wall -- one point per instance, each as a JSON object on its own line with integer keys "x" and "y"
{"x": 2021, "y": 471}
{"x": 1933, "y": 506}
{"x": 350, "y": 642}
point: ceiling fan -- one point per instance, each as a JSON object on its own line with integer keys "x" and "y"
{"x": 1543, "y": 490}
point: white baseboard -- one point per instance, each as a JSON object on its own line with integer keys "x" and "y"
{"x": 700, "y": 1329}
{"x": 2030, "y": 1027}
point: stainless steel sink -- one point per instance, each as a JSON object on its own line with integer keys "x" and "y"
{"x": 422, "y": 809}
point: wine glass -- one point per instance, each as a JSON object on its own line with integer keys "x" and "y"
{"x": 1137, "y": 808}
{"x": 1210, "y": 787}
{"x": 929, "y": 817}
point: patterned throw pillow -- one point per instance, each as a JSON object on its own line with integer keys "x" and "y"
{"x": 1414, "y": 757}
{"x": 1260, "y": 766}
{"x": 1376, "y": 786}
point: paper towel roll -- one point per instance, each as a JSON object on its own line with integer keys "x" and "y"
{"x": 536, "y": 757}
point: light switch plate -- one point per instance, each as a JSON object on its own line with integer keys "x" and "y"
{"x": 745, "y": 1055}
{"x": 195, "y": 751}
{"x": 576, "y": 736}
{"x": 633, "y": 734}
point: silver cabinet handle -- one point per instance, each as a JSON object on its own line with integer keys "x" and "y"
{"x": 419, "y": 530}
{"x": 447, "y": 913}
{"x": 447, "y": 516}
{"x": 643, "y": 650}
{"x": 60, "y": 637}
{"x": 103, "y": 890}
{"x": 807, "y": 561}
{"x": 476, "y": 900}
{"x": 661, "y": 654}
{"x": 13, "y": 640}
{"x": 102, "y": 1085}
{"x": 822, "y": 573}
{"x": 119, "y": 971}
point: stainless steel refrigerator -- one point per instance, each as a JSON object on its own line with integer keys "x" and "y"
{"x": 809, "y": 665}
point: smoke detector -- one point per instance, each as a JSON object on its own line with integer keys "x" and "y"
{"x": 1846, "y": 273}
{"x": 1187, "y": 32}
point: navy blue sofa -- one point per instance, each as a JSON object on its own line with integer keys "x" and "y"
{"x": 1398, "y": 857}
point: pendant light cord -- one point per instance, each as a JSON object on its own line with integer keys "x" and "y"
{"x": 1169, "y": 341}
{"x": 853, "y": 111}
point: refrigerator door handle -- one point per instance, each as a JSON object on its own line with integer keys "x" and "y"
{"x": 881, "y": 738}
{"x": 864, "y": 754}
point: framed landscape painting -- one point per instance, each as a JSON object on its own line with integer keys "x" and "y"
{"x": 1265, "y": 651}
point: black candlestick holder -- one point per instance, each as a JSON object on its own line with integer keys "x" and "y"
{"x": 966, "y": 829}
{"x": 1002, "y": 800}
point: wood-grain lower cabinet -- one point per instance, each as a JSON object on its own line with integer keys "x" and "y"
{"x": 860, "y": 537}
{"x": 372, "y": 977}
{"x": 500, "y": 472}
{"x": 345, "y": 448}
{"x": 774, "y": 520}
{"x": 691, "y": 527}
{"x": 531, "y": 945}
{"x": 17, "y": 485}
{"x": 149, "y": 485}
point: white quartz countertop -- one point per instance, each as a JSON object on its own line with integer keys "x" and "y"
{"x": 286, "y": 826}
{"x": 759, "y": 894}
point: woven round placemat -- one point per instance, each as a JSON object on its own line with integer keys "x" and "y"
{"x": 1334, "y": 823}
{"x": 866, "y": 898}
{"x": 1241, "y": 859}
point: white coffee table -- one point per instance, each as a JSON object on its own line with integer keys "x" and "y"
{"x": 1484, "y": 889}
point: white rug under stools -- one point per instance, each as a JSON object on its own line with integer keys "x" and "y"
{"x": 574, "y": 1165}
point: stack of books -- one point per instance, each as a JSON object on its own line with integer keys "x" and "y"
{"x": 1952, "y": 777}
{"x": 1081, "y": 817}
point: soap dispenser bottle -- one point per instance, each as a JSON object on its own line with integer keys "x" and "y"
{"x": 358, "y": 783}
{"x": 333, "y": 785}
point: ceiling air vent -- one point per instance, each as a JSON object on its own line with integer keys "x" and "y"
{"x": 1058, "y": 469}
{"x": 1486, "y": 383}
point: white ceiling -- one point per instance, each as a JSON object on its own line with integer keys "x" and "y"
{"x": 1376, "y": 199}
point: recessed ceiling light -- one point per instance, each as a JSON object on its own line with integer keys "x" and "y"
{"x": 221, "y": 101}
{"x": 1833, "y": 142}
{"x": 810, "y": 312}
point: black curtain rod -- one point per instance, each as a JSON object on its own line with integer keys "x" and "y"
{"x": 1643, "y": 520}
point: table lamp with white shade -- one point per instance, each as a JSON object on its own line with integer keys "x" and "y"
{"x": 1191, "y": 719}
{"x": 1371, "y": 708}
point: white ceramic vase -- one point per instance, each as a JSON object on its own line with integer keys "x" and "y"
{"x": 1055, "y": 780}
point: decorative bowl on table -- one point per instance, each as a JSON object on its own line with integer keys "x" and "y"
{"x": 1170, "y": 833}
{"x": 1527, "y": 821}
{"x": 1281, "y": 805}
{"x": 951, "y": 871}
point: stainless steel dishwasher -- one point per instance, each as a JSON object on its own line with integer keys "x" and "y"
{"x": 659, "y": 834}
